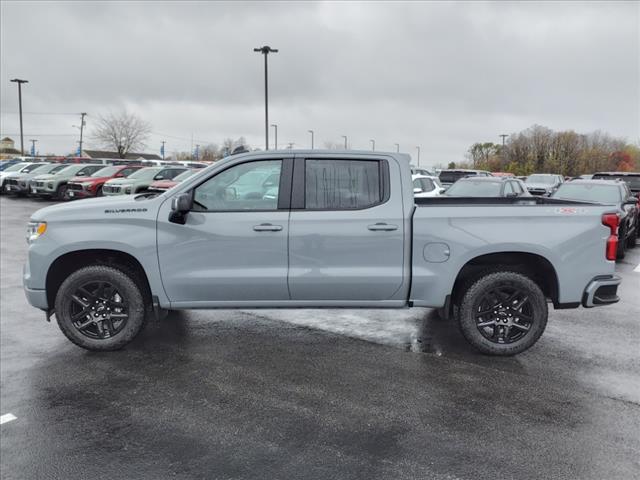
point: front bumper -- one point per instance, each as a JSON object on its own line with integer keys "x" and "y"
{"x": 36, "y": 298}
{"x": 601, "y": 291}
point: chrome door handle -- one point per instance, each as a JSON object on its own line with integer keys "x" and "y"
{"x": 267, "y": 227}
{"x": 382, "y": 227}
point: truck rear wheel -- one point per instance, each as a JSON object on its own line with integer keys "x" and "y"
{"x": 503, "y": 313}
{"x": 100, "y": 308}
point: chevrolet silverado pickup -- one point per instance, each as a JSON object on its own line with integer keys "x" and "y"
{"x": 314, "y": 229}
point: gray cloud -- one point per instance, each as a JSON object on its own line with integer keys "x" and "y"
{"x": 438, "y": 75}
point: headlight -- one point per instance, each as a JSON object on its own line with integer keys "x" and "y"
{"x": 50, "y": 186}
{"x": 34, "y": 230}
{"x": 87, "y": 185}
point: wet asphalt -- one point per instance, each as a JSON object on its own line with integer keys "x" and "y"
{"x": 316, "y": 394}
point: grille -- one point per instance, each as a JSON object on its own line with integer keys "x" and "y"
{"x": 74, "y": 186}
{"x": 39, "y": 184}
{"x": 11, "y": 181}
{"x": 537, "y": 191}
{"x": 110, "y": 189}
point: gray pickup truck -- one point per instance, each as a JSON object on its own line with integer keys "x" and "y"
{"x": 299, "y": 229}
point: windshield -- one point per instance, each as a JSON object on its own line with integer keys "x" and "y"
{"x": 106, "y": 172}
{"x": 32, "y": 167}
{"x": 471, "y": 188}
{"x": 589, "y": 193}
{"x": 145, "y": 173}
{"x": 632, "y": 180}
{"x": 452, "y": 177}
{"x": 546, "y": 179}
{"x": 184, "y": 176}
{"x": 15, "y": 167}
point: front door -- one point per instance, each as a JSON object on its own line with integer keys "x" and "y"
{"x": 233, "y": 246}
{"x": 346, "y": 233}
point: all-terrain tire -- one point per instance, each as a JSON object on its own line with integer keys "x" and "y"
{"x": 126, "y": 288}
{"x": 475, "y": 296}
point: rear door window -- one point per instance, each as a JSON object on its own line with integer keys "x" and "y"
{"x": 342, "y": 184}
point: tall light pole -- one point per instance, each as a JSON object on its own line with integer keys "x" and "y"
{"x": 275, "y": 127}
{"x": 345, "y": 141}
{"x": 503, "y": 135}
{"x": 82, "y": 115}
{"x": 33, "y": 147}
{"x": 418, "y": 148}
{"x": 311, "y": 132}
{"x": 162, "y": 149}
{"x": 20, "y": 82}
{"x": 265, "y": 51}
{"x": 373, "y": 145}
{"x": 397, "y": 147}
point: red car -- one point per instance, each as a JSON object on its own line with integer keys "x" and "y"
{"x": 84, "y": 187}
{"x": 164, "y": 185}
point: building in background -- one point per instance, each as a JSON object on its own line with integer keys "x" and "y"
{"x": 7, "y": 148}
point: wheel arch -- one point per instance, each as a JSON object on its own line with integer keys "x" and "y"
{"x": 536, "y": 267}
{"x": 69, "y": 262}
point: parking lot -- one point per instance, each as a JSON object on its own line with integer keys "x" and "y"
{"x": 316, "y": 393}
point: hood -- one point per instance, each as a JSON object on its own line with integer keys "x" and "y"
{"x": 9, "y": 174}
{"x": 88, "y": 179}
{"x": 164, "y": 183}
{"x": 121, "y": 181}
{"x": 44, "y": 177}
{"x": 101, "y": 208}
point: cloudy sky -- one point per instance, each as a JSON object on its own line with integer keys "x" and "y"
{"x": 435, "y": 74}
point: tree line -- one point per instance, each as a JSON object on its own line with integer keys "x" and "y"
{"x": 539, "y": 149}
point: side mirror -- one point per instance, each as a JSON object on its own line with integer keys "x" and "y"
{"x": 158, "y": 177}
{"x": 511, "y": 194}
{"x": 180, "y": 207}
{"x": 631, "y": 201}
{"x": 81, "y": 174}
{"x": 417, "y": 190}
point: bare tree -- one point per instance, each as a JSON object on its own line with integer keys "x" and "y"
{"x": 123, "y": 132}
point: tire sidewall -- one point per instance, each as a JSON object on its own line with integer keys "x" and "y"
{"x": 124, "y": 284}
{"x": 478, "y": 289}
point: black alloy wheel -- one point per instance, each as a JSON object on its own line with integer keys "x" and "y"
{"x": 504, "y": 314}
{"x": 98, "y": 310}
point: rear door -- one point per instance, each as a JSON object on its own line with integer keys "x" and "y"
{"x": 346, "y": 229}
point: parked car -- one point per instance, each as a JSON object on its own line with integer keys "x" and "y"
{"x": 343, "y": 230}
{"x": 55, "y": 185}
{"x": 612, "y": 193}
{"x": 4, "y": 164}
{"x": 91, "y": 186}
{"x": 543, "y": 184}
{"x": 426, "y": 186}
{"x": 488, "y": 187}
{"x": 632, "y": 179}
{"x": 450, "y": 176}
{"x": 16, "y": 170}
{"x": 164, "y": 185}
{"x": 21, "y": 183}
{"x": 421, "y": 171}
{"x": 140, "y": 180}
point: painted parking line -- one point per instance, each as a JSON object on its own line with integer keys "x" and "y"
{"x": 7, "y": 417}
{"x": 637, "y": 269}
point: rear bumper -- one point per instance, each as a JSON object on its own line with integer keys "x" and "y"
{"x": 601, "y": 291}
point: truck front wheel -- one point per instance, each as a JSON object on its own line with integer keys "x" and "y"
{"x": 503, "y": 313}
{"x": 100, "y": 308}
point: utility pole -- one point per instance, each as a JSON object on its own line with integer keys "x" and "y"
{"x": 275, "y": 127}
{"x": 20, "y": 82}
{"x": 503, "y": 137}
{"x": 82, "y": 115}
{"x": 311, "y": 132}
{"x": 397, "y": 147}
{"x": 162, "y": 149}
{"x": 418, "y": 155}
{"x": 33, "y": 147}
{"x": 197, "y": 152}
{"x": 373, "y": 145}
{"x": 265, "y": 51}
{"x": 345, "y": 141}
